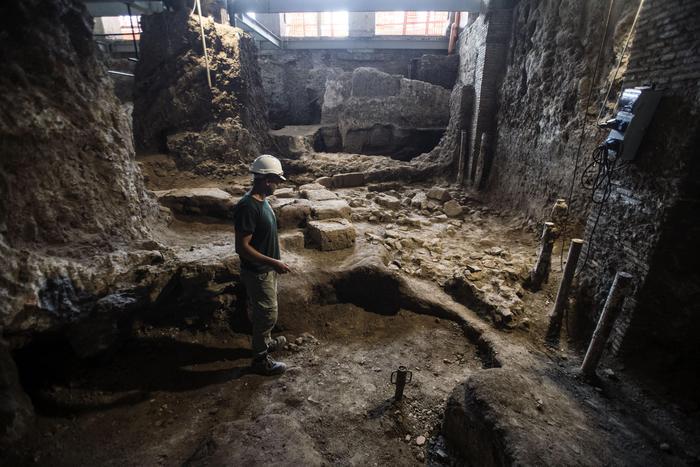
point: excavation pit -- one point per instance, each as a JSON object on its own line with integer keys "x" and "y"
{"x": 178, "y": 396}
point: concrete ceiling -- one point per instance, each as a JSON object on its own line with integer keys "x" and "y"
{"x": 112, "y": 8}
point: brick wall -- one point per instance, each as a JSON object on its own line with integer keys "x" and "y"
{"x": 490, "y": 68}
{"x": 482, "y": 47}
{"x": 650, "y": 225}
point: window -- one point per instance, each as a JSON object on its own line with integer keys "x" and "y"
{"x": 317, "y": 24}
{"x": 126, "y": 22}
{"x": 410, "y": 23}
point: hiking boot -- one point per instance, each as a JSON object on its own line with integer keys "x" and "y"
{"x": 268, "y": 367}
{"x": 276, "y": 344}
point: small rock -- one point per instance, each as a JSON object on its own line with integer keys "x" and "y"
{"x": 439, "y": 194}
{"x": 420, "y": 456}
{"x": 473, "y": 268}
{"x": 420, "y": 441}
{"x": 419, "y": 201}
{"x": 299, "y": 341}
{"x": 408, "y": 438}
{"x": 452, "y": 208}
{"x": 665, "y": 447}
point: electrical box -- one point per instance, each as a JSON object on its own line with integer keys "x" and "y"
{"x": 635, "y": 110}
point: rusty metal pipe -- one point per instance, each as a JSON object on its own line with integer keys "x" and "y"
{"x": 400, "y": 377}
{"x": 453, "y": 33}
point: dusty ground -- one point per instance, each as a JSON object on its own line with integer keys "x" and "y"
{"x": 183, "y": 395}
{"x": 171, "y": 396}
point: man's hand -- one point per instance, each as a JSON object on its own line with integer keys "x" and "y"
{"x": 281, "y": 268}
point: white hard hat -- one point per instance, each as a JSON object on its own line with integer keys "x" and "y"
{"x": 267, "y": 164}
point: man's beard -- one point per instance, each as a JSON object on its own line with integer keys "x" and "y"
{"x": 269, "y": 190}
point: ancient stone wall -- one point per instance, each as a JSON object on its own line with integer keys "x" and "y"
{"x": 175, "y": 111}
{"x": 550, "y": 65}
{"x": 650, "y": 225}
{"x": 295, "y": 80}
{"x": 379, "y": 113}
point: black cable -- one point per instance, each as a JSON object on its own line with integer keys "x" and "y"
{"x": 600, "y": 184}
{"x": 582, "y": 133}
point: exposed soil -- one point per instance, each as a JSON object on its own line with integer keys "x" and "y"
{"x": 179, "y": 391}
{"x": 167, "y": 394}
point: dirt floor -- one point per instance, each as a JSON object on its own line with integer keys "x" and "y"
{"x": 171, "y": 396}
{"x": 181, "y": 393}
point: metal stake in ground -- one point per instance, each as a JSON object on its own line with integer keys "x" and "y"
{"x": 619, "y": 290}
{"x": 541, "y": 270}
{"x": 400, "y": 377}
{"x": 555, "y": 317}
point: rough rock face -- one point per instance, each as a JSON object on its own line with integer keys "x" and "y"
{"x": 554, "y": 49}
{"x": 436, "y": 69}
{"x": 175, "y": 111}
{"x": 70, "y": 185}
{"x": 16, "y": 409}
{"x": 378, "y": 113}
{"x": 67, "y": 165}
{"x": 295, "y": 80}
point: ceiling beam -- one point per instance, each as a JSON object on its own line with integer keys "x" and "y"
{"x": 281, "y": 6}
{"x": 252, "y": 25}
{"x": 99, "y": 8}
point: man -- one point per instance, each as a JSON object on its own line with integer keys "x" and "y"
{"x": 258, "y": 247}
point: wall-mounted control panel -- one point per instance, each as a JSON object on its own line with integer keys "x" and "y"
{"x": 635, "y": 110}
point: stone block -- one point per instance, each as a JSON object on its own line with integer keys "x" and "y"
{"x": 312, "y": 186}
{"x": 330, "y": 235}
{"x": 292, "y": 241}
{"x": 318, "y": 195}
{"x": 439, "y": 194}
{"x": 325, "y": 182}
{"x": 285, "y": 193}
{"x": 294, "y": 214}
{"x": 329, "y": 209}
{"x": 348, "y": 180}
{"x": 370, "y": 82}
{"x": 212, "y": 202}
{"x": 388, "y": 201}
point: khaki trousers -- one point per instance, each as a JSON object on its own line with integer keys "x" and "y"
{"x": 262, "y": 307}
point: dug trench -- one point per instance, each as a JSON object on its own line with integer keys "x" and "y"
{"x": 181, "y": 392}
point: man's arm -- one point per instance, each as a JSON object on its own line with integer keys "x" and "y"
{"x": 246, "y": 250}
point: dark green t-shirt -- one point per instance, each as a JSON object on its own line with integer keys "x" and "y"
{"x": 257, "y": 218}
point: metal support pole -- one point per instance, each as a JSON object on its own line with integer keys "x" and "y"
{"x": 557, "y": 314}
{"x": 400, "y": 377}
{"x": 204, "y": 42}
{"x": 133, "y": 31}
{"x": 619, "y": 290}
{"x": 462, "y": 151}
{"x": 541, "y": 270}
